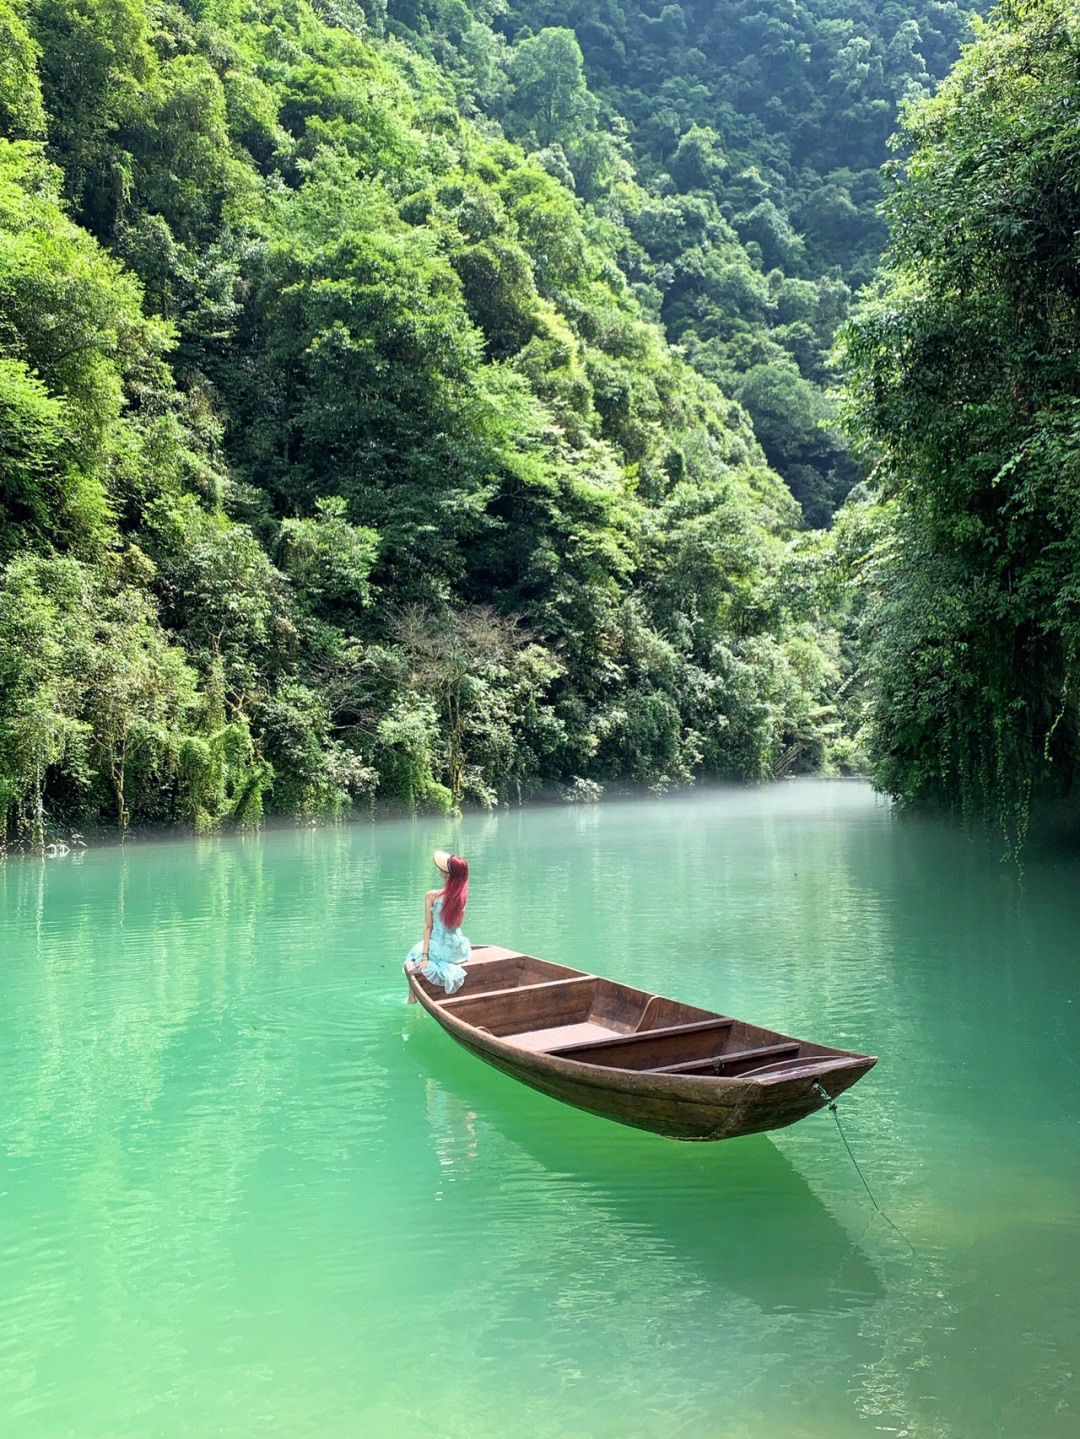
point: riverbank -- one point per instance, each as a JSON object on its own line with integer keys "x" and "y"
{"x": 583, "y": 794}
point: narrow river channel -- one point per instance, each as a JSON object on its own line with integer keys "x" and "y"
{"x": 244, "y": 1190}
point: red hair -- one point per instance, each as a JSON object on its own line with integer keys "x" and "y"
{"x": 455, "y": 892}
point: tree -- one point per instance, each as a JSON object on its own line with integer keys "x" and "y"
{"x": 966, "y": 389}
{"x": 454, "y": 656}
{"x": 549, "y": 99}
{"x": 98, "y": 69}
{"x": 329, "y": 560}
{"x": 22, "y": 114}
{"x": 92, "y": 693}
{"x": 45, "y": 496}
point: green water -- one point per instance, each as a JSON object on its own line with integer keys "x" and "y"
{"x": 246, "y": 1191}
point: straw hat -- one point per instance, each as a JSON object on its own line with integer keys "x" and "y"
{"x": 442, "y": 860}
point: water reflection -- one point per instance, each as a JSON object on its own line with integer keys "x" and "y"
{"x": 712, "y": 1210}
{"x": 240, "y": 1180}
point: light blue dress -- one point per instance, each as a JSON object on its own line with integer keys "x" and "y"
{"x": 448, "y": 951}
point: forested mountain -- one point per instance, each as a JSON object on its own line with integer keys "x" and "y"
{"x": 339, "y": 453}
{"x": 755, "y": 130}
{"x": 419, "y": 401}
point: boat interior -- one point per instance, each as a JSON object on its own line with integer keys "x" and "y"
{"x": 551, "y": 1009}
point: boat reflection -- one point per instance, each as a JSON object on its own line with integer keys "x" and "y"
{"x": 737, "y": 1216}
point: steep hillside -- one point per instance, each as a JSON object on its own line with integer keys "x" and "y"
{"x": 736, "y": 147}
{"x": 341, "y": 454}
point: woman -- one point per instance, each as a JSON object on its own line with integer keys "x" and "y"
{"x": 443, "y": 951}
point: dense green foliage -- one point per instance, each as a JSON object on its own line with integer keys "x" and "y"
{"x": 427, "y": 402}
{"x": 339, "y": 454}
{"x": 966, "y": 379}
{"x": 734, "y": 146}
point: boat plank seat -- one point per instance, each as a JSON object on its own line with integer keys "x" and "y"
{"x": 797, "y": 1063}
{"x": 489, "y": 953}
{"x": 734, "y": 1056}
{"x": 501, "y": 975}
{"x": 649, "y": 1036}
{"x": 694, "y": 1039}
{"x": 535, "y": 989}
{"x": 505, "y": 1012}
{"x": 761, "y": 1055}
{"x": 545, "y": 1040}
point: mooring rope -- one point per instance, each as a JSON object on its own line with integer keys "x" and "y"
{"x": 980, "y": 1370}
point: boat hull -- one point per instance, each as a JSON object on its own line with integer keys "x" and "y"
{"x": 680, "y": 1106}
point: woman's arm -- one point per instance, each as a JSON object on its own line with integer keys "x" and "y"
{"x": 429, "y": 906}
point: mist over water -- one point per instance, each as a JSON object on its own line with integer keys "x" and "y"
{"x": 245, "y": 1190}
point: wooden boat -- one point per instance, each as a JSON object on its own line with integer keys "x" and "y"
{"x": 631, "y": 1056}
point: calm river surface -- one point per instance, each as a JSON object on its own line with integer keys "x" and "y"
{"x": 244, "y": 1190}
